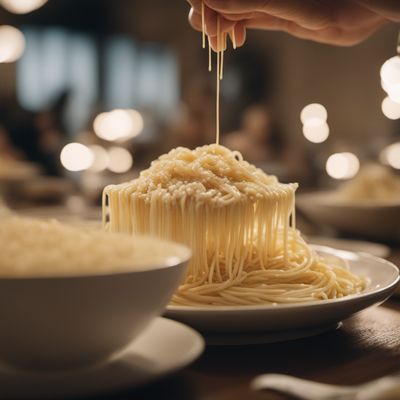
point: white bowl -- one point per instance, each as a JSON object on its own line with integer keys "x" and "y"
{"x": 69, "y": 322}
{"x": 371, "y": 219}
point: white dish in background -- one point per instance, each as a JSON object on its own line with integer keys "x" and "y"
{"x": 267, "y": 323}
{"x": 163, "y": 348}
{"x": 370, "y": 219}
{"x": 375, "y": 249}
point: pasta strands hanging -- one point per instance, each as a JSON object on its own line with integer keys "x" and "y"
{"x": 239, "y": 223}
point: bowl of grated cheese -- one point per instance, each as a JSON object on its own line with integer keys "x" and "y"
{"x": 73, "y": 296}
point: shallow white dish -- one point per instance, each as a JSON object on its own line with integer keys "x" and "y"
{"x": 163, "y": 348}
{"x": 292, "y": 320}
{"x": 371, "y": 219}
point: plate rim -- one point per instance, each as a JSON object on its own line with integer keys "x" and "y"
{"x": 385, "y": 250}
{"x": 177, "y": 309}
{"x": 185, "y": 359}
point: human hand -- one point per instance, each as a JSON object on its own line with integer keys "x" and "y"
{"x": 344, "y": 22}
{"x": 230, "y": 26}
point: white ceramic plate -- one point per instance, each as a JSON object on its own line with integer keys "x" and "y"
{"x": 370, "y": 219}
{"x": 165, "y": 347}
{"x": 375, "y": 249}
{"x": 266, "y": 323}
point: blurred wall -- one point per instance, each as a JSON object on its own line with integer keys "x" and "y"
{"x": 7, "y": 80}
{"x": 345, "y": 80}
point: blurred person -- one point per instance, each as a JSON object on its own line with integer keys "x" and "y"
{"x": 19, "y": 134}
{"x": 34, "y": 137}
{"x": 52, "y": 133}
{"x": 258, "y": 138}
{"x": 261, "y": 143}
{"x": 342, "y": 23}
{"x": 193, "y": 124}
{"x": 7, "y": 150}
{"x": 249, "y": 78}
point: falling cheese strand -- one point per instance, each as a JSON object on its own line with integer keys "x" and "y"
{"x": 233, "y": 37}
{"x": 218, "y": 82}
{"x": 221, "y": 73}
{"x": 203, "y": 26}
{"x": 209, "y": 56}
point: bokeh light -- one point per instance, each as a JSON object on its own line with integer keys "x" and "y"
{"x": 394, "y": 93}
{"x": 390, "y": 78}
{"x": 100, "y": 158}
{"x": 391, "y": 155}
{"x": 315, "y": 111}
{"x": 315, "y": 131}
{"x": 12, "y": 44}
{"x": 118, "y": 124}
{"x": 342, "y": 165}
{"x": 120, "y": 160}
{"x": 113, "y": 125}
{"x": 137, "y": 123}
{"x": 390, "y": 108}
{"x": 22, "y": 6}
{"x": 76, "y": 157}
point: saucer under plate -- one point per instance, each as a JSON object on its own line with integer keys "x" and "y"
{"x": 163, "y": 348}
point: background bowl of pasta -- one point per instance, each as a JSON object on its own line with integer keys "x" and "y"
{"x": 371, "y": 219}
{"x": 366, "y": 206}
{"x": 78, "y": 296}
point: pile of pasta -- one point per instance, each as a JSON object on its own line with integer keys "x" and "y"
{"x": 239, "y": 223}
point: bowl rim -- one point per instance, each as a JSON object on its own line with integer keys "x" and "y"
{"x": 168, "y": 262}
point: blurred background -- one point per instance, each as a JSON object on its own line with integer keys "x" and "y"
{"x": 92, "y": 91}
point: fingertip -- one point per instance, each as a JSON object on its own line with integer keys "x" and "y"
{"x": 210, "y": 17}
{"x": 211, "y": 22}
{"x": 240, "y": 34}
{"x": 213, "y": 42}
{"x": 194, "y": 19}
{"x": 196, "y": 4}
{"x": 220, "y": 5}
{"x": 225, "y": 24}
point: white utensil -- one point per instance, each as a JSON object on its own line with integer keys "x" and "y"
{"x": 386, "y": 388}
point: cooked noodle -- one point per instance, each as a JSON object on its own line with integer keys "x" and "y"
{"x": 239, "y": 223}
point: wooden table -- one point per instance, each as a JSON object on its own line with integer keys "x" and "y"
{"x": 367, "y": 346}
